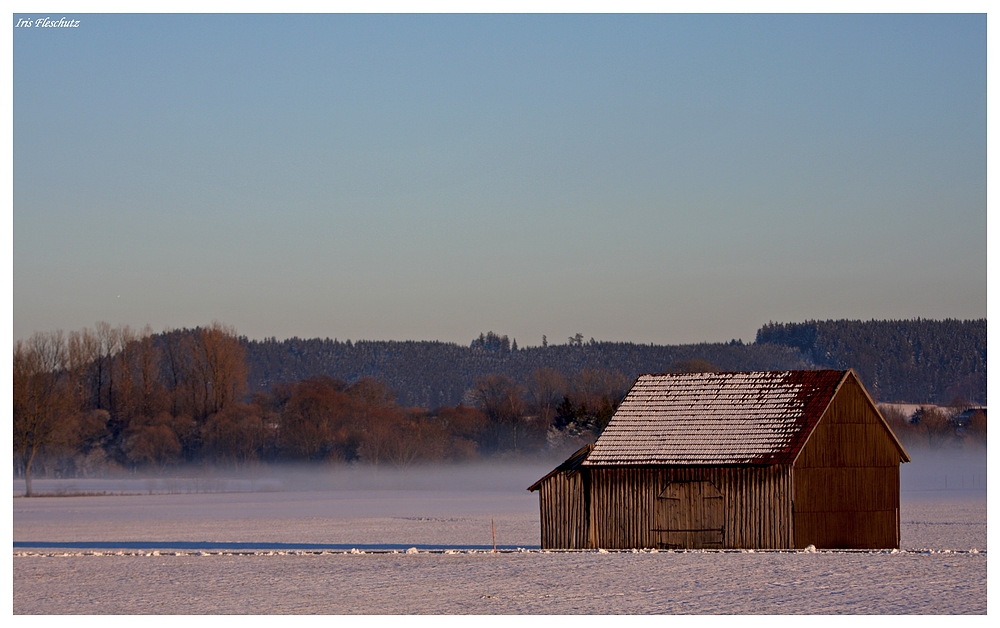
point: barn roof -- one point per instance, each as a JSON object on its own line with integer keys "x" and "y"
{"x": 716, "y": 418}
{"x": 568, "y": 466}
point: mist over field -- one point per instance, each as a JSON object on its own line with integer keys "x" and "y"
{"x": 480, "y": 476}
{"x": 930, "y": 471}
{"x": 287, "y": 539}
{"x": 944, "y": 472}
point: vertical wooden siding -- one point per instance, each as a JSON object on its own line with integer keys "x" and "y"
{"x": 690, "y": 515}
{"x": 757, "y": 504}
{"x": 563, "y": 513}
{"x": 846, "y": 479}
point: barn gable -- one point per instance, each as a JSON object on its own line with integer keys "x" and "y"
{"x": 845, "y": 479}
{"x": 851, "y": 432}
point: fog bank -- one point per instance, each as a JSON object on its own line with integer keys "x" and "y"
{"x": 503, "y": 477}
{"x": 944, "y": 472}
{"x": 931, "y": 472}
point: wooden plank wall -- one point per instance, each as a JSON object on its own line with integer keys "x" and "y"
{"x": 562, "y": 504}
{"x": 623, "y": 506}
{"x": 846, "y": 479}
{"x": 690, "y": 515}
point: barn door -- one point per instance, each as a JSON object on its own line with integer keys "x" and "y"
{"x": 690, "y": 515}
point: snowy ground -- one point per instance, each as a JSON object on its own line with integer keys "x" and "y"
{"x": 282, "y": 543}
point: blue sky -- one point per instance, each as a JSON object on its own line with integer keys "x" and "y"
{"x": 651, "y": 178}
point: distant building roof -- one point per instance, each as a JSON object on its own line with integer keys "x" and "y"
{"x": 716, "y": 418}
{"x": 962, "y": 418}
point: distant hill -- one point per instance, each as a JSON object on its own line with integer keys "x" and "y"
{"x": 434, "y": 374}
{"x": 902, "y": 361}
{"x": 914, "y": 361}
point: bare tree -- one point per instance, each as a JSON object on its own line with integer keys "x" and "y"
{"x": 151, "y": 399}
{"x": 217, "y": 374}
{"x": 464, "y": 427}
{"x": 404, "y": 445}
{"x": 318, "y": 421}
{"x": 153, "y": 442}
{"x": 596, "y": 394}
{"x": 123, "y": 390}
{"x": 933, "y": 424}
{"x": 975, "y": 429}
{"x": 42, "y": 396}
{"x": 372, "y": 392}
{"x": 108, "y": 345}
{"x": 499, "y": 398}
{"x": 236, "y": 434}
{"x": 82, "y": 352}
{"x": 175, "y": 368}
{"x": 546, "y": 389}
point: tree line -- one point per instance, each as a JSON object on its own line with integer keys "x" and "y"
{"x": 114, "y": 398}
{"x": 90, "y": 401}
{"x": 432, "y": 374}
{"x": 916, "y": 361}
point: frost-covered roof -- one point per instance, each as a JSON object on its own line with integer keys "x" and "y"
{"x": 716, "y": 418}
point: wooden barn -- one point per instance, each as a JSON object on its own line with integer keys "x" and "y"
{"x": 764, "y": 460}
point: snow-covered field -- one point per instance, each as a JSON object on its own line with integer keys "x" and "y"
{"x": 349, "y": 541}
